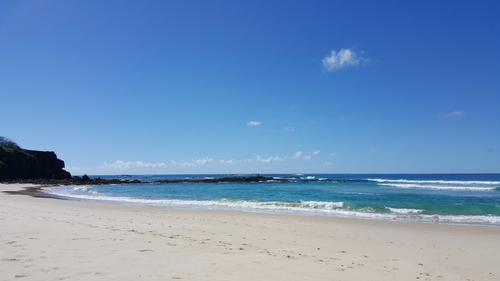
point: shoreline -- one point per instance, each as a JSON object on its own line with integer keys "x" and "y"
{"x": 255, "y": 207}
{"x": 48, "y": 239}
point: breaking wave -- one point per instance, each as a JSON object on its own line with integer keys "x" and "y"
{"x": 337, "y": 209}
{"x": 437, "y": 181}
{"x": 443, "y": 187}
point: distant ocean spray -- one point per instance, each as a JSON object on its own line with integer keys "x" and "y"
{"x": 433, "y": 198}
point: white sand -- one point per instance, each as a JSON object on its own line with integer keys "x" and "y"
{"x": 50, "y": 239}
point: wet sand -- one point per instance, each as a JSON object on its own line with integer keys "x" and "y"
{"x": 50, "y": 239}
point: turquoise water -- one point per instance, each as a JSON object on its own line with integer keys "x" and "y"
{"x": 455, "y": 198}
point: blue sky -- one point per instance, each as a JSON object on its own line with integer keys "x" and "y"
{"x": 179, "y": 87}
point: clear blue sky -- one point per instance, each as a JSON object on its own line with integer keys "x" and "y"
{"x": 170, "y": 87}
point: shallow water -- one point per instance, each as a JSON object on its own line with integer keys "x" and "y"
{"x": 455, "y": 198}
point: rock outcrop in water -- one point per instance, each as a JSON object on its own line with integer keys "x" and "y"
{"x": 85, "y": 180}
{"x": 17, "y": 163}
{"x": 225, "y": 179}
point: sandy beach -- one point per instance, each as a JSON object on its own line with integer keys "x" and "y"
{"x": 51, "y": 239}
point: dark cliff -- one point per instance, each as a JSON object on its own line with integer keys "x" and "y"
{"x": 30, "y": 164}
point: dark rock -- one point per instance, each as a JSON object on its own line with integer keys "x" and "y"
{"x": 31, "y": 164}
{"x": 98, "y": 181}
{"x": 225, "y": 179}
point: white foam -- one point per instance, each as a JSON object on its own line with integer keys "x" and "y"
{"x": 323, "y": 205}
{"x": 443, "y": 187}
{"x": 305, "y": 207}
{"x": 302, "y": 206}
{"x": 436, "y": 181}
{"x": 404, "y": 211}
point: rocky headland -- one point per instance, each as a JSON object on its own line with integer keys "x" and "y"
{"x": 17, "y": 163}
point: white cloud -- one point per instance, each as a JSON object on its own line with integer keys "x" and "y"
{"x": 253, "y": 123}
{"x": 229, "y": 161}
{"x": 193, "y": 163}
{"x": 374, "y": 151}
{"x": 456, "y": 113}
{"x": 344, "y": 57}
{"x": 266, "y": 160}
{"x": 120, "y": 165}
{"x": 332, "y": 154}
{"x": 149, "y": 165}
{"x": 327, "y": 164}
{"x": 453, "y": 114}
{"x": 202, "y": 161}
{"x": 289, "y": 129}
{"x": 307, "y": 156}
{"x": 272, "y": 159}
{"x": 74, "y": 169}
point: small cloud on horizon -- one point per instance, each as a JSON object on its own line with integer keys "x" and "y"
{"x": 266, "y": 160}
{"x": 300, "y": 154}
{"x": 453, "y": 114}
{"x": 332, "y": 154}
{"x": 253, "y": 123}
{"x": 77, "y": 169}
{"x": 345, "y": 57}
{"x": 193, "y": 163}
{"x": 491, "y": 150}
{"x": 273, "y": 159}
{"x": 120, "y": 165}
{"x": 289, "y": 129}
{"x": 229, "y": 161}
{"x": 202, "y": 161}
{"x": 326, "y": 164}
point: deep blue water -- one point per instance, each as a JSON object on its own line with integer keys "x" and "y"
{"x": 450, "y": 198}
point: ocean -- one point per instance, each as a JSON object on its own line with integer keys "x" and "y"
{"x": 426, "y": 198}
